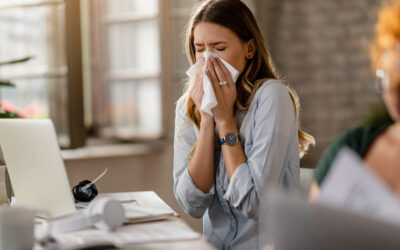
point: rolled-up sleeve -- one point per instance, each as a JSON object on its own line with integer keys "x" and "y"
{"x": 273, "y": 133}
{"x": 191, "y": 199}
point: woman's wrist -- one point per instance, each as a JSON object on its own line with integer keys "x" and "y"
{"x": 206, "y": 120}
{"x": 224, "y": 119}
{"x": 226, "y": 125}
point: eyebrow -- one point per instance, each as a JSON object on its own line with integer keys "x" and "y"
{"x": 213, "y": 43}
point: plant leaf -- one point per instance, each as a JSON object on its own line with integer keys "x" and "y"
{"x": 8, "y": 114}
{"x": 6, "y": 83}
{"x": 20, "y": 60}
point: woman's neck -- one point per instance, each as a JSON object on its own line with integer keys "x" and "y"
{"x": 394, "y": 132}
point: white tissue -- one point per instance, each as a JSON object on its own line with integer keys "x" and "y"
{"x": 209, "y": 100}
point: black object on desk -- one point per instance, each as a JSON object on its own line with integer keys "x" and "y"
{"x": 84, "y": 195}
{"x": 86, "y": 190}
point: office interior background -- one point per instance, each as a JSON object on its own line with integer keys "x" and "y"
{"x": 108, "y": 73}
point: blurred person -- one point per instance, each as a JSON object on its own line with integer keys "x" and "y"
{"x": 379, "y": 146}
{"x": 222, "y": 161}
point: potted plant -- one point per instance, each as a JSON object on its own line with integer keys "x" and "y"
{"x": 4, "y": 112}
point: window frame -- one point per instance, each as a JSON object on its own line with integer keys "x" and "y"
{"x": 75, "y": 110}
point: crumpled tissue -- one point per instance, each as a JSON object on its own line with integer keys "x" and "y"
{"x": 209, "y": 100}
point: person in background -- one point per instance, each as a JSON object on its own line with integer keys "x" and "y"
{"x": 223, "y": 161}
{"x": 379, "y": 146}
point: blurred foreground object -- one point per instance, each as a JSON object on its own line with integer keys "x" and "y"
{"x": 292, "y": 223}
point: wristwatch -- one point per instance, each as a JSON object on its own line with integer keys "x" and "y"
{"x": 230, "y": 139}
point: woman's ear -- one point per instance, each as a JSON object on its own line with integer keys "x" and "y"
{"x": 251, "y": 49}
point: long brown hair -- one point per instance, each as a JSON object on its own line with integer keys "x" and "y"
{"x": 236, "y": 16}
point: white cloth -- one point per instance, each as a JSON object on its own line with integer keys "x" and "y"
{"x": 209, "y": 100}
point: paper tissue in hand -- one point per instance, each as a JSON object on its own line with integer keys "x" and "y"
{"x": 209, "y": 100}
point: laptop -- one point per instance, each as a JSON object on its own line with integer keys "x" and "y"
{"x": 34, "y": 163}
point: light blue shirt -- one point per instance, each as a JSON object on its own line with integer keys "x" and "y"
{"x": 268, "y": 131}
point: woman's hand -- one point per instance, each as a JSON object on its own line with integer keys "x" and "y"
{"x": 225, "y": 94}
{"x": 196, "y": 91}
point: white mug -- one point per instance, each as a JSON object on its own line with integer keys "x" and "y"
{"x": 16, "y": 228}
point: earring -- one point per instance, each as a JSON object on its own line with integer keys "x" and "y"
{"x": 248, "y": 56}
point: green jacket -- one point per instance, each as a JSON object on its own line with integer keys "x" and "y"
{"x": 358, "y": 139}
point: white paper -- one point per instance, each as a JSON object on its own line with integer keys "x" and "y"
{"x": 135, "y": 213}
{"x": 163, "y": 231}
{"x": 353, "y": 186}
{"x": 140, "y": 207}
{"x": 209, "y": 100}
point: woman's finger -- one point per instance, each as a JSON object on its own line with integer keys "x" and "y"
{"x": 196, "y": 90}
{"x": 195, "y": 82}
{"x": 218, "y": 70}
{"x": 210, "y": 67}
{"x": 213, "y": 78}
{"x": 199, "y": 72}
{"x": 226, "y": 72}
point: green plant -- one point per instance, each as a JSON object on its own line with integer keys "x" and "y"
{"x": 8, "y": 83}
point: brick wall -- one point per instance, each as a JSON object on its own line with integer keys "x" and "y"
{"x": 321, "y": 47}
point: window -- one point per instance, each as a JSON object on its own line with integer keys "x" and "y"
{"x": 115, "y": 93}
{"x": 118, "y": 78}
{"x": 43, "y": 84}
{"x": 126, "y": 83}
{"x": 35, "y": 30}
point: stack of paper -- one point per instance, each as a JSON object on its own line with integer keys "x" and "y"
{"x": 136, "y": 214}
{"x": 352, "y": 186}
{"x": 142, "y": 206}
{"x": 163, "y": 231}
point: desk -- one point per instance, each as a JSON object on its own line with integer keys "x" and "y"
{"x": 199, "y": 244}
{"x": 169, "y": 233}
{"x": 192, "y": 244}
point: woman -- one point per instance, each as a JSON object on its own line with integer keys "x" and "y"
{"x": 379, "y": 146}
{"x": 223, "y": 161}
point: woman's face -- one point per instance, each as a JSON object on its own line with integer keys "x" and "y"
{"x": 391, "y": 93}
{"x": 222, "y": 41}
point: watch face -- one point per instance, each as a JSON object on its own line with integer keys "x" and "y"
{"x": 231, "y": 139}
